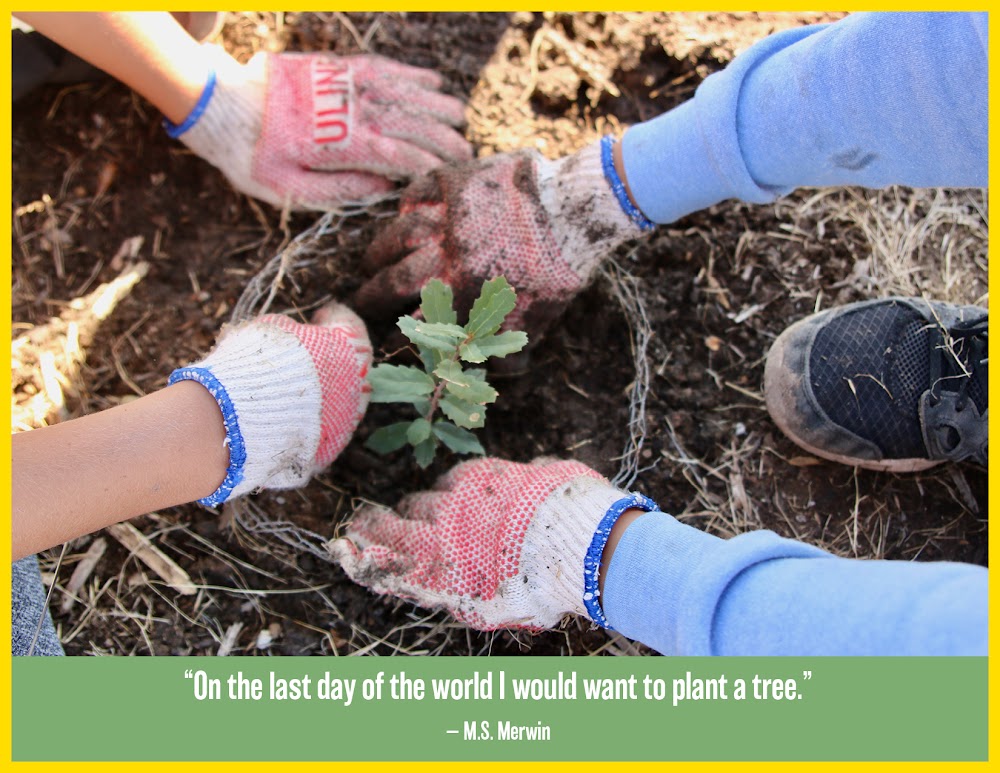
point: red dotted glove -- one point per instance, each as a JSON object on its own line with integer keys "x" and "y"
{"x": 291, "y": 396}
{"x": 499, "y": 544}
{"x": 316, "y": 131}
{"x": 545, "y": 225}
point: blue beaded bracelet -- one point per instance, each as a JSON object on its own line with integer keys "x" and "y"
{"x": 234, "y": 438}
{"x": 611, "y": 175}
{"x": 592, "y": 559}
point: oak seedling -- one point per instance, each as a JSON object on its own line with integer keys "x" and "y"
{"x": 445, "y": 385}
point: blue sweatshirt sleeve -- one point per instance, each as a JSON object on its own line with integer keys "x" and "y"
{"x": 876, "y": 99}
{"x": 685, "y": 592}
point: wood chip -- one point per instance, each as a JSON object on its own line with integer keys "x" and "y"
{"x": 163, "y": 566}
{"x": 129, "y": 250}
{"x": 83, "y": 571}
{"x": 229, "y": 639}
{"x": 739, "y": 496}
{"x": 747, "y": 312}
{"x": 106, "y": 178}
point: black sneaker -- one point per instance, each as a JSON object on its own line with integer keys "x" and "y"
{"x": 894, "y": 384}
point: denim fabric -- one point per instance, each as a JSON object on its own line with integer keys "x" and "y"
{"x": 873, "y": 100}
{"x": 28, "y": 610}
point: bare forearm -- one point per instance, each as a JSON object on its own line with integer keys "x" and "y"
{"x": 150, "y": 52}
{"x": 71, "y": 479}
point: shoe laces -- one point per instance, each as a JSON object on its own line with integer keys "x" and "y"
{"x": 959, "y": 360}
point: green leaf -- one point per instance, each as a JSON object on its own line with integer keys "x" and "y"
{"x": 424, "y": 452}
{"x": 385, "y": 440}
{"x": 459, "y": 440}
{"x": 478, "y": 392}
{"x": 471, "y": 353}
{"x": 501, "y": 345}
{"x": 450, "y": 371}
{"x": 418, "y": 432}
{"x": 399, "y": 384}
{"x": 436, "y": 299}
{"x": 436, "y": 335}
{"x": 495, "y": 302}
{"x": 462, "y": 412}
{"x": 466, "y": 384}
{"x": 429, "y": 357}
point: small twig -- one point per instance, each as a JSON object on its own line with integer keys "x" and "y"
{"x": 83, "y": 571}
{"x": 229, "y": 640}
{"x": 139, "y": 545}
{"x": 536, "y": 43}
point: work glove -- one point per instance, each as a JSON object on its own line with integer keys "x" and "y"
{"x": 498, "y": 544}
{"x": 291, "y": 396}
{"x": 316, "y": 131}
{"x": 545, "y": 225}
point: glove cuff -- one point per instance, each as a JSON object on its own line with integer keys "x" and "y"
{"x": 586, "y": 214}
{"x": 174, "y": 131}
{"x": 224, "y": 126}
{"x": 269, "y": 393}
{"x": 565, "y": 541}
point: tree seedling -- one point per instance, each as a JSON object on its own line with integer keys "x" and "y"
{"x": 460, "y": 393}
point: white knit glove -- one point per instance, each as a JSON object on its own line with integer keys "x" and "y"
{"x": 499, "y": 544}
{"x": 545, "y": 225}
{"x": 291, "y": 396}
{"x": 315, "y": 131}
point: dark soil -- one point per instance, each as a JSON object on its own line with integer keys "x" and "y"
{"x": 717, "y": 286}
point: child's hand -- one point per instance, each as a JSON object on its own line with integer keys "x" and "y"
{"x": 291, "y": 396}
{"x": 316, "y": 131}
{"x": 499, "y": 544}
{"x": 545, "y": 225}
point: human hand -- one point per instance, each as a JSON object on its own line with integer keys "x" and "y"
{"x": 316, "y": 131}
{"x": 499, "y": 544}
{"x": 291, "y": 396}
{"x": 545, "y": 225}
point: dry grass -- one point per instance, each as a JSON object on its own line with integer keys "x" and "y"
{"x": 930, "y": 242}
{"x": 625, "y": 289}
